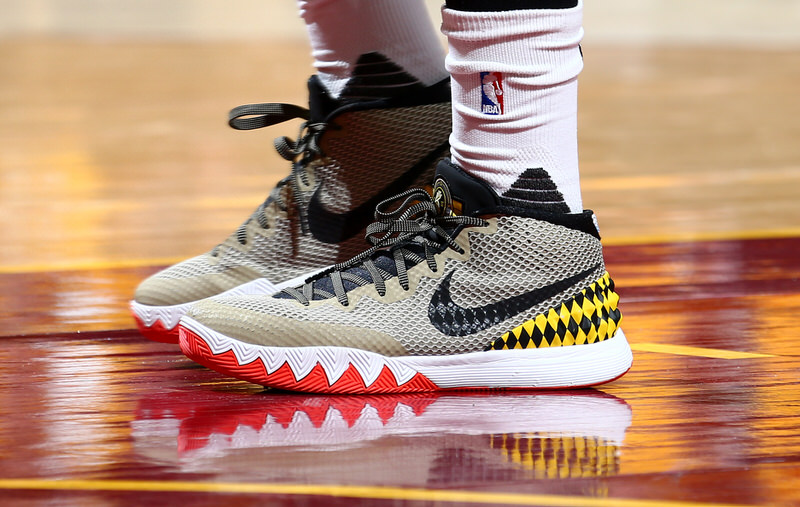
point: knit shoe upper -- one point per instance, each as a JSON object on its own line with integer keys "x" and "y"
{"x": 349, "y": 157}
{"x": 453, "y": 290}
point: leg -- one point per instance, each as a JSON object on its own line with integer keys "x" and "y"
{"x": 366, "y": 49}
{"x": 524, "y": 141}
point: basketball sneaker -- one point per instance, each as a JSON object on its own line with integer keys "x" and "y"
{"x": 445, "y": 440}
{"x": 459, "y": 291}
{"x": 350, "y": 156}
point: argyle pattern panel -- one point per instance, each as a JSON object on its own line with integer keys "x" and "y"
{"x": 590, "y": 316}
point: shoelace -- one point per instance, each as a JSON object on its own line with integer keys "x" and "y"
{"x": 409, "y": 235}
{"x": 300, "y": 152}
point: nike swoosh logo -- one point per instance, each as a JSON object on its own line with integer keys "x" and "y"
{"x": 330, "y": 227}
{"x": 454, "y": 320}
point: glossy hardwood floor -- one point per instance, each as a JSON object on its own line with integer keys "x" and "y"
{"x": 115, "y": 160}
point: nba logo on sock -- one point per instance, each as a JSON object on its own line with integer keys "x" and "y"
{"x": 492, "y": 93}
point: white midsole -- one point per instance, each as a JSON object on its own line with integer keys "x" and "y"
{"x": 549, "y": 367}
{"x": 170, "y": 315}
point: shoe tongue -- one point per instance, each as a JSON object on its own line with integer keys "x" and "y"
{"x": 320, "y": 101}
{"x": 457, "y": 193}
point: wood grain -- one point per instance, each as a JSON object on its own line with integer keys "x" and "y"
{"x": 115, "y": 160}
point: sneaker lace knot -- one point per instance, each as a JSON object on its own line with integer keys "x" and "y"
{"x": 300, "y": 152}
{"x": 402, "y": 236}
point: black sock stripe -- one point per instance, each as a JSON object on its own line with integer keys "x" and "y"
{"x": 534, "y": 184}
{"x": 534, "y": 188}
{"x": 553, "y": 207}
{"x": 508, "y": 5}
{"x": 535, "y": 195}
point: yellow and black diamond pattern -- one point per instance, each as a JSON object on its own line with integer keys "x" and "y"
{"x": 589, "y": 317}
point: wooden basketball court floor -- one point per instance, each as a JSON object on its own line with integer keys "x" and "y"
{"x": 115, "y": 161}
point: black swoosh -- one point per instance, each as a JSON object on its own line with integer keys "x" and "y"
{"x": 330, "y": 227}
{"x": 454, "y": 320}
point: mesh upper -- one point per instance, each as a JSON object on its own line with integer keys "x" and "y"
{"x": 364, "y": 151}
{"x": 523, "y": 254}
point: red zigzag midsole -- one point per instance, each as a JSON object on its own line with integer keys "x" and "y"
{"x": 551, "y": 367}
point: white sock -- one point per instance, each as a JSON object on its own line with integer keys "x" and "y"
{"x": 533, "y": 124}
{"x": 342, "y": 31}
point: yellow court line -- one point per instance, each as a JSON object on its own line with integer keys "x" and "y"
{"x": 86, "y": 265}
{"x": 791, "y": 232}
{"x": 685, "y": 350}
{"x": 90, "y": 265}
{"x": 367, "y": 492}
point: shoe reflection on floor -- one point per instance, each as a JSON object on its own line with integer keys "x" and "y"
{"x": 438, "y": 439}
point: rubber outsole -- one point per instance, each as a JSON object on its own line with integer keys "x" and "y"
{"x": 337, "y": 370}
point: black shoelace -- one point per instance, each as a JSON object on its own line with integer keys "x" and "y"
{"x": 300, "y": 152}
{"x": 407, "y": 236}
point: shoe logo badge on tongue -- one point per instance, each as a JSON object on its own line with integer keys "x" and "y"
{"x": 443, "y": 200}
